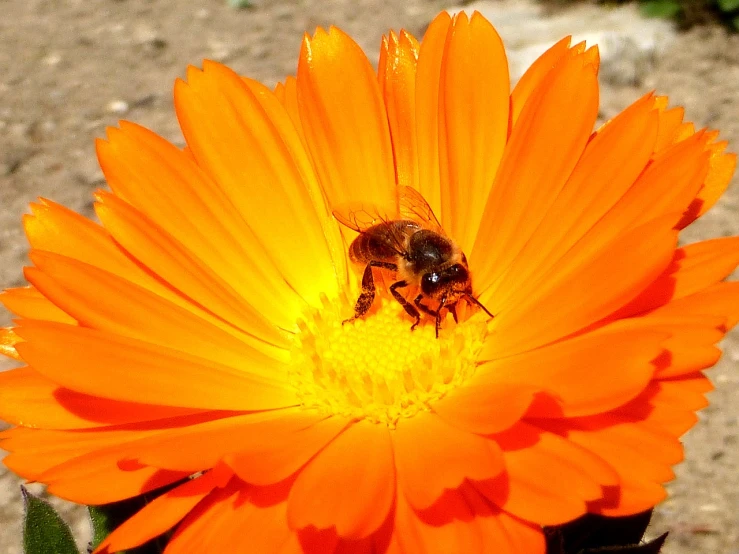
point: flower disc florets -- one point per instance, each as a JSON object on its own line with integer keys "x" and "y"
{"x": 376, "y": 367}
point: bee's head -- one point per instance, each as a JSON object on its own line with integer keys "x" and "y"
{"x": 451, "y": 282}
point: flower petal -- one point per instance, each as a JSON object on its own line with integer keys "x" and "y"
{"x": 587, "y": 287}
{"x": 547, "y": 479}
{"x": 344, "y": 120}
{"x": 448, "y": 526}
{"x": 641, "y": 456}
{"x": 176, "y": 265}
{"x": 103, "y": 301}
{"x": 29, "y": 303}
{"x": 462, "y": 521}
{"x": 162, "y": 376}
{"x": 246, "y": 519}
{"x": 223, "y": 117}
{"x": 295, "y": 437}
{"x": 473, "y": 122}
{"x": 142, "y": 168}
{"x": 624, "y": 362}
{"x": 719, "y": 299}
{"x": 610, "y": 163}
{"x": 484, "y": 409}
{"x": 554, "y": 125}
{"x": 162, "y": 513}
{"x": 431, "y": 456}
{"x": 534, "y": 76}
{"x": 30, "y": 399}
{"x": 694, "y": 267}
{"x": 8, "y": 341}
{"x": 428, "y": 71}
{"x": 285, "y": 453}
{"x": 350, "y": 484}
{"x": 397, "y": 76}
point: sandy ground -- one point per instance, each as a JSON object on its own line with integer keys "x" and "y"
{"x": 69, "y": 68}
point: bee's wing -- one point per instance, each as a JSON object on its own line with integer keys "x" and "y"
{"x": 413, "y": 206}
{"x": 360, "y": 216}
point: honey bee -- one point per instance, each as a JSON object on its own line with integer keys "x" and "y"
{"x": 415, "y": 249}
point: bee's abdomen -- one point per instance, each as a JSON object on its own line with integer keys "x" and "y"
{"x": 382, "y": 242}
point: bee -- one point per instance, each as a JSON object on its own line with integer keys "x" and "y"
{"x": 415, "y": 249}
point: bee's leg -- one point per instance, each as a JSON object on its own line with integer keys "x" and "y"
{"x": 438, "y": 315}
{"x": 407, "y": 306}
{"x": 453, "y": 308}
{"x": 367, "y": 296}
{"x": 425, "y": 309}
{"x": 476, "y": 302}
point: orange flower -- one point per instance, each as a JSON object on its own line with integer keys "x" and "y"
{"x": 198, "y": 331}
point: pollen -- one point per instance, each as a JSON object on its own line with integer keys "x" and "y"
{"x": 375, "y": 367}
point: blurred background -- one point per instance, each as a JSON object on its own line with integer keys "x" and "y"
{"x": 69, "y": 68}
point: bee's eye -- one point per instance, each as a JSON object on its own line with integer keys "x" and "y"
{"x": 430, "y": 282}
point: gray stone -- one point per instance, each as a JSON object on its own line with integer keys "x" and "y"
{"x": 629, "y": 43}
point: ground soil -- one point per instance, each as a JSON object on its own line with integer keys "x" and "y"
{"x": 69, "y": 68}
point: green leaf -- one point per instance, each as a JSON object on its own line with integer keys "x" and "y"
{"x": 102, "y": 524}
{"x": 661, "y": 8}
{"x": 728, "y": 5}
{"x": 44, "y": 532}
{"x": 735, "y": 22}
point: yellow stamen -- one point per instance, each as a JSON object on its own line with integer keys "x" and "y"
{"x": 376, "y": 367}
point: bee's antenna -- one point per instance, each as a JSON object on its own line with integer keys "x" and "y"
{"x": 478, "y": 303}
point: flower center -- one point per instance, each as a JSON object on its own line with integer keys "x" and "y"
{"x": 376, "y": 367}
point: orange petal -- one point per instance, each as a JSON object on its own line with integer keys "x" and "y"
{"x": 547, "y": 479}
{"x": 34, "y": 451}
{"x": 350, "y": 484}
{"x": 624, "y": 360}
{"x": 448, "y": 526}
{"x": 694, "y": 268}
{"x": 667, "y": 186}
{"x": 427, "y": 109}
{"x": 103, "y": 301}
{"x": 245, "y": 519}
{"x": 285, "y": 453}
{"x": 640, "y": 455}
{"x": 554, "y": 126}
{"x": 534, "y": 76}
{"x": 29, "y": 303}
{"x": 72, "y": 357}
{"x": 56, "y": 229}
{"x": 721, "y": 168}
{"x": 8, "y": 340}
{"x": 175, "y": 264}
{"x": 162, "y": 513}
{"x": 295, "y": 436}
{"x": 611, "y": 162}
{"x": 484, "y": 409}
{"x": 669, "y": 405}
{"x": 287, "y": 94}
{"x": 30, "y": 399}
{"x": 463, "y": 522}
{"x": 397, "y": 76}
{"x": 222, "y": 117}
{"x": 720, "y": 299}
{"x": 83, "y": 466}
{"x": 587, "y": 286}
{"x": 690, "y": 346}
{"x": 473, "y": 122}
{"x": 670, "y": 123}
{"x": 141, "y": 168}
{"x": 344, "y": 120}
{"x": 431, "y": 456}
